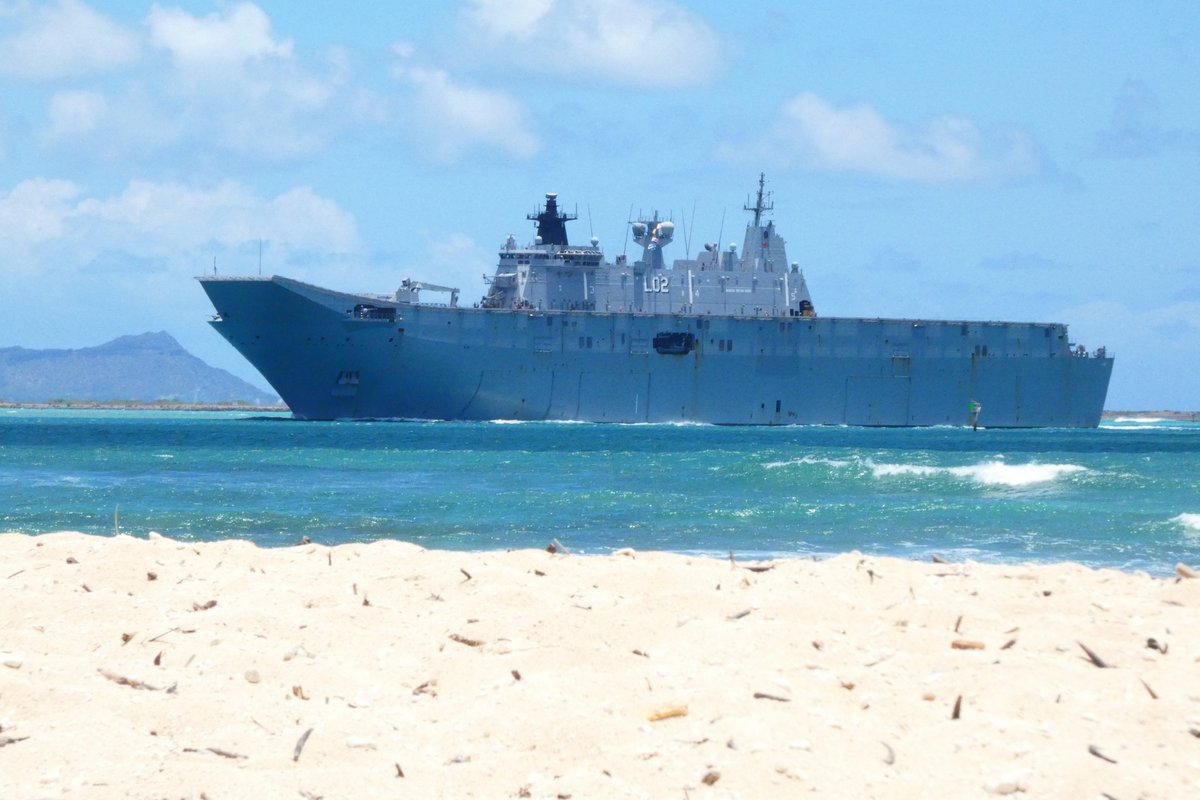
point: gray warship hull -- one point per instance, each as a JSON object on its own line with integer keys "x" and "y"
{"x": 336, "y": 355}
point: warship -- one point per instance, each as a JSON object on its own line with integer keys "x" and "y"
{"x": 728, "y": 337}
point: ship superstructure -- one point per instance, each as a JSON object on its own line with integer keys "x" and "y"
{"x": 729, "y": 337}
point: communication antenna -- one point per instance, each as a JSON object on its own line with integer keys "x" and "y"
{"x": 687, "y": 232}
{"x": 629, "y": 216}
{"x": 260, "y": 257}
{"x": 214, "y": 265}
{"x": 721, "y": 235}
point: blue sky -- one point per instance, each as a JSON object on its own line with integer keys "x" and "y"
{"x": 1034, "y": 161}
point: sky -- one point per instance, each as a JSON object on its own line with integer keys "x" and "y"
{"x": 1027, "y": 161}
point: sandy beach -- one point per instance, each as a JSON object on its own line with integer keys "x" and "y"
{"x": 160, "y": 668}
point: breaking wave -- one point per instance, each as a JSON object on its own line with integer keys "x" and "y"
{"x": 989, "y": 473}
{"x": 829, "y": 462}
{"x": 1189, "y": 521}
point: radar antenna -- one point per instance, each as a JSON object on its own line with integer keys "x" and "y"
{"x": 762, "y": 203}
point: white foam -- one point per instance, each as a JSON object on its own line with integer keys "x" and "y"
{"x": 829, "y": 462}
{"x": 1138, "y": 419}
{"x": 989, "y": 473}
{"x": 1189, "y": 521}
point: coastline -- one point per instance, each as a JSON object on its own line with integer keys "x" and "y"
{"x": 154, "y": 667}
{"x": 134, "y": 405}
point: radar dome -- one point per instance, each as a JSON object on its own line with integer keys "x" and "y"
{"x": 666, "y": 229}
{"x": 639, "y": 230}
{"x": 595, "y": 241}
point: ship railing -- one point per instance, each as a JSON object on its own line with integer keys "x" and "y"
{"x": 1079, "y": 351}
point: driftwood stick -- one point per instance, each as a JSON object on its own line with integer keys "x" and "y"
{"x": 1095, "y": 659}
{"x": 300, "y": 744}
{"x": 224, "y": 753}
{"x": 164, "y": 633}
{"x": 777, "y": 698}
{"x": 132, "y": 683}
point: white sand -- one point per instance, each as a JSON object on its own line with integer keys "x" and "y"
{"x": 537, "y": 675}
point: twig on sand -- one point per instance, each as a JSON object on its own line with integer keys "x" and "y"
{"x": 224, "y": 753}
{"x": 1153, "y": 696}
{"x": 967, "y": 644}
{"x": 132, "y": 683}
{"x": 667, "y": 713}
{"x": 775, "y": 697}
{"x": 465, "y": 640}
{"x": 216, "y": 751}
{"x": 300, "y": 744}
{"x": 957, "y": 708}
{"x": 1095, "y": 659}
{"x": 164, "y": 633}
{"x": 7, "y": 740}
{"x": 890, "y": 758}
{"x": 464, "y": 572}
{"x": 1096, "y": 752}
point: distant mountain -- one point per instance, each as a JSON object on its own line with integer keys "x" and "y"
{"x": 145, "y": 368}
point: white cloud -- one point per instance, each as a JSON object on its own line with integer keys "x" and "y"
{"x": 176, "y": 216}
{"x": 73, "y": 114}
{"x": 814, "y": 133}
{"x": 167, "y": 220}
{"x": 516, "y": 18}
{"x": 221, "y": 42}
{"x": 652, "y": 44}
{"x": 34, "y": 211}
{"x": 223, "y": 83}
{"x": 63, "y": 40}
{"x": 450, "y": 119}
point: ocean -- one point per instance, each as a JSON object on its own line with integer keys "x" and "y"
{"x": 1126, "y": 495}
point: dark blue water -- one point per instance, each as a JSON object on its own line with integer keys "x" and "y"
{"x": 1126, "y": 495}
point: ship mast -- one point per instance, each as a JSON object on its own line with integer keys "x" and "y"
{"x": 759, "y": 205}
{"x": 551, "y": 225}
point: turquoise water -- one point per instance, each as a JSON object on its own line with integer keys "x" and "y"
{"x": 1126, "y": 495}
